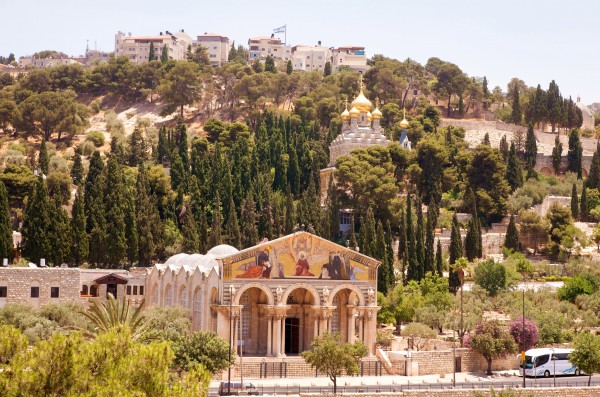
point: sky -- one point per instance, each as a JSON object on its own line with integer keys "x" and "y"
{"x": 534, "y": 40}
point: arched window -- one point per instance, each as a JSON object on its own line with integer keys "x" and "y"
{"x": 94, "y": 290}
{"x": 84, "y": 290}
{"x": 183, "y": 297}
{"x": 169, "y": 295}
{"x": 197, "y": 309}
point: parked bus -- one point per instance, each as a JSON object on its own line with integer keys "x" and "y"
{"x": 543, "y": 363}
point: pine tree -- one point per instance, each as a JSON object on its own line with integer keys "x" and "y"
{"x": 270, "y": 64}
{"x": 593, "y": 179}
{"x": 79, "y": 237}
{"x": 420, "y": 239}
{"x": 504, "y": 147}
{"x": 289, "y": 68}
{"x": 190, "y": 236}
{"x": 530, "y": 149}
{"x": 6, "y": 237}
{"x": 574, "y": 202}
{"x": 43, "y": 159}
{"x": 77, "y": 168}
{"x": 164, "y": 55}
{"x": 514, "y": 174}
{"x": 248, "y": 223}
{"x": 584, "y": 210}
{"x": 456, "y": 252}
{"x": 257, "y": 66}
{"x": 327, "y": 69}
{"x": 232, "y": 228}
{"x": 557, "y": 155}
{"x": 36, "y": 243}
{"x": 511, "y": 240}
{"x": 439, "y": 261}
{"x": 574, "y": 154}
{"x": 412, "y": 272}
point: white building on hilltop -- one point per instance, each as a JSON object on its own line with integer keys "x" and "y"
{"x": 137, "y": 48}
{"x": 217, "y": 47}
{"x": 309, "y": 58}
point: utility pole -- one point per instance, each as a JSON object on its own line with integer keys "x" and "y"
{"x": 231, "y": 289}
{"x": 523, "y": 339}
{"x": 461, "y": 278}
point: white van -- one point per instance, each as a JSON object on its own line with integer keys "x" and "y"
{"x": 546, "y": 362}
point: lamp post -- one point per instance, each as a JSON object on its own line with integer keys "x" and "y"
{"x": 554, "y": 364}
{"x": 461, "y": 278}
{"x": 524, "y": 363}
{"x": 231, "y": 290}
{"x": 454, "y": 352}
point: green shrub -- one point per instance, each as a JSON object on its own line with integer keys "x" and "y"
{"x": 87, "y": 148}
{"x": 96, "y": 137}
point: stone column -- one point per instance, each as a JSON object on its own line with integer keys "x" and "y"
{"x": 276, "y": 335}
{"x": 282, "y": 343}
{"x": 351, "y": 323}
{"x": 370, "y": 328}
{"x": 269, "y": 334}
{"x": 360, "y": 318}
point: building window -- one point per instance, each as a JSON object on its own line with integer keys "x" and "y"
{"x": 345, "y": 218}
{"x": 135, "y": 289}
{"x": 54, "y": 292}
{"x": 35, "y": 292}
{"x": 141, "y": 290}
{"x": 3, "y": 292}
{"x": 129, "y": 290}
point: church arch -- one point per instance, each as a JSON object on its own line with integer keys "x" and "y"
{"x": 311, "y": 290}
{"x": 262, "y": 287}
{"x": 355, "y": 289}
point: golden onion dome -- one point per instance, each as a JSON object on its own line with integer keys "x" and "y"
{"x": 404, "y": 123}
{"x": 354, "y": 112}
{"x": 362, "y": 103}
{"x": 377, "y": 113}
{"x": 369, "y": 116}
{"x": 345, "y": 114}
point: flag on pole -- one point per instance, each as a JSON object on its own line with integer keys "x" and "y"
{"x": 280, "y": 29}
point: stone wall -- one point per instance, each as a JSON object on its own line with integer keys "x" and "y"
{"x": 20, "y": 280}
{"x": 529, "y": 392}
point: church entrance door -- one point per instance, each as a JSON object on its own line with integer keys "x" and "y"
{"x": 292, "y": 336}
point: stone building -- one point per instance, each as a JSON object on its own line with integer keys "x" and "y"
{"x": 137, "y": 48}
{"x": 277, "y": 296}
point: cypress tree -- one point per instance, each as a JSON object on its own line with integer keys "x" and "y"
{"x": 77, "y": 168}
{"x": 149, "y": 225}
{"x": 327, "y": 69}
{"x": 516, "y": 106}
{"x": 402, "y": 247}
{"x": 511, "y": 241}
{"x": 456, "y": 252}
{"x": 289, "y": 68}
{"x": 430, "y": 238}
{"x": 95, "y": 211}
{"x": 43, "y": 160}
{"x": 530, "y": 150}
{"x": 574, "y": 153}
{"x": 420, "y": 239}
{"x": 333, "y": 212}
{"x": 486, "y": 140}
{"x": 412, "y": 272}
{"x": 164, "y": 55}
{"x": 248, "y": 223}
{"x": 202, "y": 230}
{"x": 574, "y": 202}
{"x": 162, "y": 149}
{"x": 114, "y": 207}
{"x": 59, "y": 233}
{"x": 131, "y": 230}
{"x": 6, "y": 238}
{"x": 514, "y": 174}
{"x": 382, "y": 270}
{"x": 137, "y": 148}
{"x": 471, "y": 241}
{"x": 257, "y": 66}
{"x": 556, "y": 155}
{"x": 232, "y": 228}
{"x": 504, "y": 147}
{"x": 439, "y": 261}
{"x": 190, "y": 236}
{"x": 352, "y": 240}
{"x": 92, "y": 186}
{"x": 368, "y": 235}
{"x": 593, "y": 179}
{"x": 290, "y": 214}
{"x": 117, "y": 151}
{"x": 584, "y": 210}
{"x": 215, "y": 230}
{"x": 79, "y": 237}
{"x": 36, "y": 242}
{"x": 270, "y": 64}
{"x": 151, "y": 56}
{"x": 389, "y": 252}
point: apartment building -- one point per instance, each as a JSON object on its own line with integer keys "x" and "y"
{"x": 46, "y": 62}
{"x": 309, "y": 58}
{"x": 216, "y": 45}
{"x": 351, "y": 56}
{"x": 261, "y": 47}
{"x": 137, "y": 48}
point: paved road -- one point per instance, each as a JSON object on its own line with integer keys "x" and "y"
{"x": 392, "y": 384}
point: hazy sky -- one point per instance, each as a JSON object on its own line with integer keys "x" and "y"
{"x": 534, "y": 40}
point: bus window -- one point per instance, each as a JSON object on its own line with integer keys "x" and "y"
{"x": 541, "y": 360}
